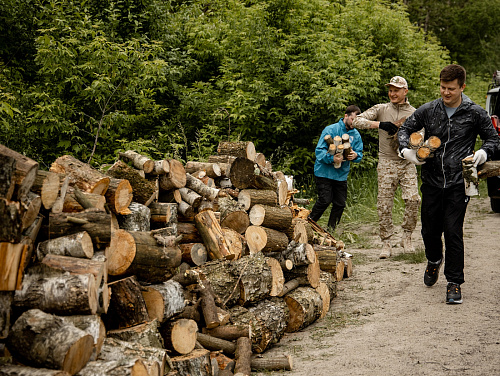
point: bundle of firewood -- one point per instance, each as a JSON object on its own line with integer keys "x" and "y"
{"x": 156, "y": 267}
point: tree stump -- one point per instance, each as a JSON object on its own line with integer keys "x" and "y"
{"x": 43, "y": 340}
{"x": 61, "y": 294}
{"x": 77, "y": 245}
{"x": 305, "y": 305}
{"x": 164, "y": 300}
{"x": 233, "y": 215}
{"x": 143, "y": 190}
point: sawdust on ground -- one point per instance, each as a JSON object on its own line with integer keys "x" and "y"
{"x": 384, "y": 321}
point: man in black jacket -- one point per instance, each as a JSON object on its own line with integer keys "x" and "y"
{"x": 457, "y": 121}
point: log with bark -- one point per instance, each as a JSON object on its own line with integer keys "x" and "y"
{"x": 95, "y": 222}
{"x": 140, "y": 162}
{"x": 330, "y": 281}
{"x": 62, "y": 294}
{"x": 179, "y": 335}
{"x": 146, "y": 334}
{"x": 93, "y": 325}
{"x": 227, "y": 159}
{"x": 31, "y": 204}
{"x": 229, "y": 332}
{"x": 138, "y": 252}
{"x": 189, "y": 232}
{"x": 119, "y": 195}
{"x": 163, "y": 213}
{"x": 300, "y": 229}
{"x": 164, "y": 300}
{"x": 194, "y": 253}
{"x": 6, "y": 299}
{"x": 77, "y": 201}
{"x": 327, "y": 257}
{"x": 233, "y": 215}
{"x": 311, "y": 273}
{"x": 143, "y": 190}
{"x": 265, "y": 239}
{"x": 127, "y": 306}
{"x": 19, "y": 370}
{"x": 42, "y": 340}
{"x": 305, "y": 305}
{"x": 138, "y": 219}
{"x": 196, "y": 363}
{"x": 273, "y": 217}
{"x": 216, "y": 344}
{"x": 250, "y": 197}
{"x": 19, "y": 170}
{"x": 324, "y": 292}
{"x": 244, "y": 149}
{"x": 243, "y": 356}
{"x": 75, "y": 265}
{"x": 176, "y": 177}
{"x": 191, "y": 197}
{"x": 11, "y": 220}
{"x": 78, "y": 245}
{"x": 81, "y": 174}
{"x": 274, "y": 363}
{"x": 201, "y": 188}
{"x": 237, "y": 241}
{"x": 212, "y": 170}
{"x": 123, "y": 367}
{"x": 246, "y": 174}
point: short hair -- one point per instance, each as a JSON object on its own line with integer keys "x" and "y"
{"x": 452, "y": 72}
{"x": 352, "y": 108}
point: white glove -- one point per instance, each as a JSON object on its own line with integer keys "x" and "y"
{"x": 479, "y": 158}
{"x": 411, "y": 156}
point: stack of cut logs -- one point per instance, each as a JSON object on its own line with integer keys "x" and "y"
{"x": 156, "y": 267}
{"x": 425, "y": 149}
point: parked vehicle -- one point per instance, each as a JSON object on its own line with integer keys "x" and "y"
{"x": 493, "y": 108}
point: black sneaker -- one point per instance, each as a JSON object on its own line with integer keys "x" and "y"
{"x": 453, "y": 293}
{"x": 432, "y": 272}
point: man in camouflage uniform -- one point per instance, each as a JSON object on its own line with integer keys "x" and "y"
{"x": 393, "y": 170}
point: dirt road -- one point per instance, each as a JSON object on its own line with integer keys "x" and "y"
{"x": 386, "y": 322}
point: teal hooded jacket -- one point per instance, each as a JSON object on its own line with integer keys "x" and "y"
{"x": 323, "y": 167}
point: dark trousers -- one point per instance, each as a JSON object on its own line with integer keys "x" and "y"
{"x": 443, "y": 212}
{"x": 329, "y": 192}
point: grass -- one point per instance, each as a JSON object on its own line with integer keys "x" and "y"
{"x": 416, "y": 257}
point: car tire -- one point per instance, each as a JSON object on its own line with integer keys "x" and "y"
{"x": 495, "y": 204}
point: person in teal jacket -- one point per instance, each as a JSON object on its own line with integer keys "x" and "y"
{"x": 331, "y": 179}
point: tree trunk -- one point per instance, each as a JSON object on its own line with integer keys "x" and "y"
{"x": 81, "y": 174}
{"x": 163, "y": 301}
{"x": 96, "y": 223}
{"x": 197, "y": 363}
{"x": 305, "y": 305}
{"x": 45, "y": 340}
{"x": 211, "y": 233}
{"x": 93, "y": 325}
{"x": 176, "y": 178}
{"x": 250, "y": 197}
{"x": 23, "y": 174}
{"x": 138, "y": 253}
{"x": 143, "y": 190}
{"x": 233, "y": 215}
{"x": 60, "y": 294}
{"x": 179, "y": 335}
{"x": 245, "y": 149}
{"x": 75, "y": 265}
{"x": 127, "y": 306}
{"x": 265, "y": 239}
{"x": 75, "y": 245}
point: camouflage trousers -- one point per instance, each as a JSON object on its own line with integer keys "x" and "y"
{"x": 392, "y": 173}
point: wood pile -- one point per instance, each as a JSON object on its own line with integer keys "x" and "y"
{"x": 156, "y": 267}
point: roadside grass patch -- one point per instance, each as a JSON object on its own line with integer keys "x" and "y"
{"x": 416, "y": 257}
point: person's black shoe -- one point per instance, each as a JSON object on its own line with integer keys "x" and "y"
{"x": 453, "y": 293}
{"x": 432, "y": 272}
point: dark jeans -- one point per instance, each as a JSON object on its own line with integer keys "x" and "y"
{"x": 329, "y": 192}
{"x": 443, "y": 211}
